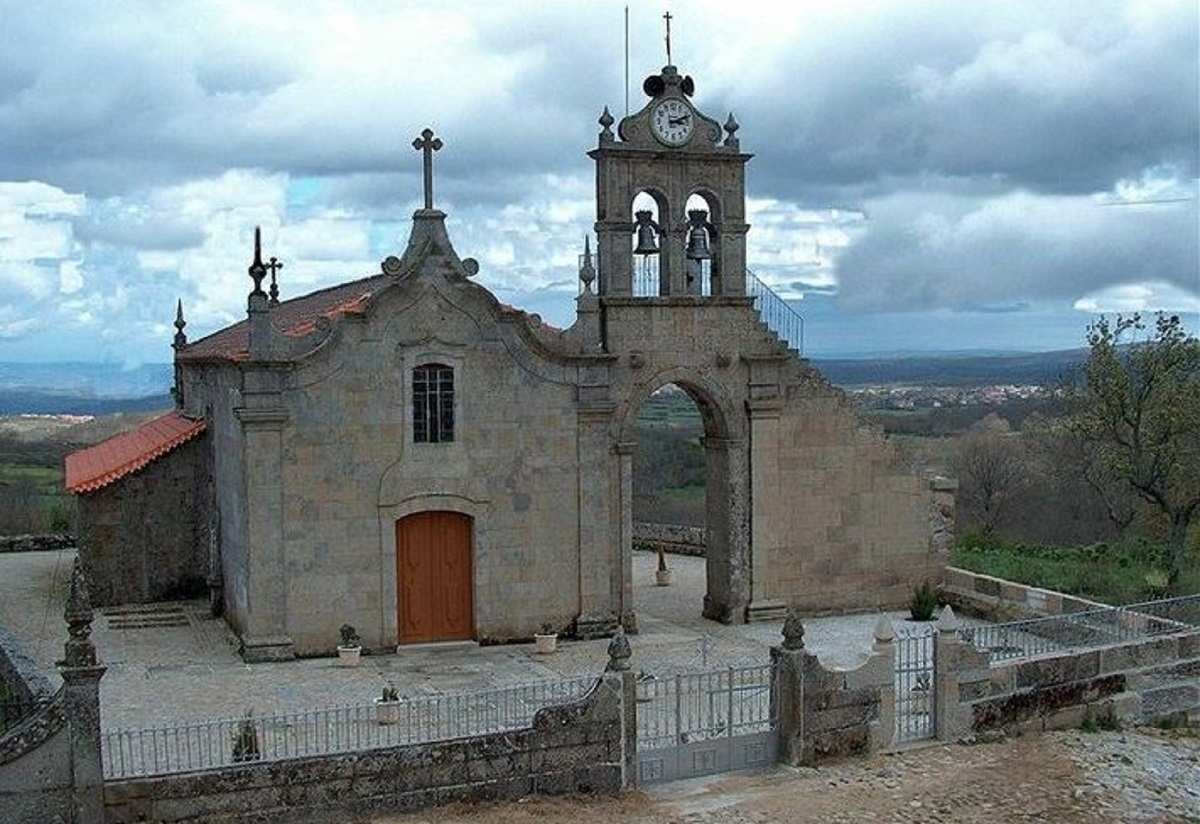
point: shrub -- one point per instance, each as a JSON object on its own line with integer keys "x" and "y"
{"x": 924, "y": 602}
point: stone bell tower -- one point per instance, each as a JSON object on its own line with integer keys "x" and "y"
{"x": 672, "y": 153}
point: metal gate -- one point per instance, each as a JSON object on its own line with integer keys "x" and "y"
{"x": 697, "y": 723}
{"x": 916, "y": 697}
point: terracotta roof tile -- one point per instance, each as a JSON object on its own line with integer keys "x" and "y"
{"x": 294, "y": 318}
{"x": 98, "y": 466}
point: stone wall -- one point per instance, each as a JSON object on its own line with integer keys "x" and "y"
{"x": 143, "y": 536}
{"x": 575, "y": 748}
{"x": 36, "y": 543}
{"x": 36, "y": 783}
{"x": 1141, "y": 680}
{"x": 999, "y": 600}
{"x": 681, "y": 540}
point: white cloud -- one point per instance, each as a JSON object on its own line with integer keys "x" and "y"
{"x": 1140, "y": 297}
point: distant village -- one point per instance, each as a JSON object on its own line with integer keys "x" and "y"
{"x": 927, "y": 397}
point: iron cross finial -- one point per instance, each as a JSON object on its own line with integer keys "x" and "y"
{"x": 667, "y": 17}
{"x": 427, "y": 144}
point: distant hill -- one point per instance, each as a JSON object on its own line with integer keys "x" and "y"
{"x": 1041, "y": 368}
{"x": 83, "y": 388}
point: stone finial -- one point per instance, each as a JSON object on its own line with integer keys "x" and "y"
{"x": 618, "y": 652}
{"x": 885, "y": 633}
{"x": 180, "y": 338}
{"x": 257, "y": 270}
{"x": 80, "y": 651}
{"x": 793, "y": 629}
{"x": 731, "y": 127}
{"x": 606, "y": 122}
{"x": 587, "y": 272}
{"x": 947, "y": 621}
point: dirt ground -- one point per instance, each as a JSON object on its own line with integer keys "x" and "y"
{"x": 1044, "y": 778}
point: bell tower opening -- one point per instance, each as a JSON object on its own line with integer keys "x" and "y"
{"x": 647, "y": 246}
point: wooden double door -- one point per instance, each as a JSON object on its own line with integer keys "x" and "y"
{"x": 434, "y": 577}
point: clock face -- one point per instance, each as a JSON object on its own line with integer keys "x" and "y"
{"x": 672, "y": 122}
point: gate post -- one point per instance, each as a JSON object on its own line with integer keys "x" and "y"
{"x": 81, "y": 690}
{"x": 787, "y": 689}
{"x": 952, "y": 658}
{"x": 618, "y": 664}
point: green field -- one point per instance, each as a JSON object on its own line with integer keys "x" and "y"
{"x": 32, "y": 499}
{"x": 1114, "y": 574}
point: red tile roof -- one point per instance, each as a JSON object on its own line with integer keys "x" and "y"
{"x": 294, "y": 317}
{"x": 98, "y": 466}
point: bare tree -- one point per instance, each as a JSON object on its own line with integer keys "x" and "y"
{"x": 990, "y": 466}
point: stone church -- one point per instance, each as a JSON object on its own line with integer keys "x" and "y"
{"x": 406, "y": 454}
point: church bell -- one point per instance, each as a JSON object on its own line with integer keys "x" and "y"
{"x": 647, "y": 243}
{"x": 697, "y": 246}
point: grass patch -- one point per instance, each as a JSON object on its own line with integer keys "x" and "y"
{"x": 1122, "y": 573}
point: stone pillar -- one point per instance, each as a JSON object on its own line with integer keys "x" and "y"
{"x": 81, "y": 676}
{"x": 624, "y": 596}
{"x": 265, "y": 635}
{"x": 952, "y": 657}
{"x": 601, "y": 576}
{"x": 765, "y": 536}
{"x": 618, "y": 664}
{"x": 787, "y": 689}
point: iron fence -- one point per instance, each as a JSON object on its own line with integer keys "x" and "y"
{"x": 1086, "y": 628}
{"x": 699, "y": 706}
{"x": 226, "y": 742}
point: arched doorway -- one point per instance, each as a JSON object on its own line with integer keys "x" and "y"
{"x": 434, "y": 579}
{"x": 701, "y": 486}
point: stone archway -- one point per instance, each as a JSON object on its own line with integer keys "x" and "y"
{"x": 727, "y": 511}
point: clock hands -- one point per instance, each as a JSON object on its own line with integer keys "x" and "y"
{"x": 678, "y": 121}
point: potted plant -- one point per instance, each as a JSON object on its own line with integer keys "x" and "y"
{"x": 923, "y": 604}
{"x": 245, "y": 740}
{"x": 350, "y": 648}
{"x": 387, "y": 706}
{"x": 662, "y": 576}
{"x": 546, "y": 640}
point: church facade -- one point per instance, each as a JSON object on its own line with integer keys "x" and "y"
{"x": 406, "y": 454}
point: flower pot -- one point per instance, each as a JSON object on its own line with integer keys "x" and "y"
{"x": 545, "y": 643}
{"x": 662, "y": 577}
{"x": 348, "y": 656}
{"x": 387, "y": 712}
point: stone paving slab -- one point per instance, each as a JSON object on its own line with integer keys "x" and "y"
{"x": 163, "y": 675}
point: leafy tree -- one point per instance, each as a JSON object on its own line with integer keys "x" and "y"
{"x": 1139, "y": 414}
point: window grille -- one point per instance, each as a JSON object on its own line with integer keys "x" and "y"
{"x": 433, "y": 403}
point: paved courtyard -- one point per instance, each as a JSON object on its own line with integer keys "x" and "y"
{"x": 188, "y": 669}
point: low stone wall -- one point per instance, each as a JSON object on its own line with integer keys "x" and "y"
{"x": 36, "y": 784}
{"x": 999, "y": 600}
{"x": 36, "y": 543}
{"x": 1137, "y": 681}
{"x": 578, "y": 747}
{"x": 681, "y": 540}
{"x": 19, "y": 672}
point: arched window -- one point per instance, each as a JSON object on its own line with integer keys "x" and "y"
{"x": 433, "y": 403}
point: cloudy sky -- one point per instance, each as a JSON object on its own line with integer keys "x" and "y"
{"x": 928, "y": 174}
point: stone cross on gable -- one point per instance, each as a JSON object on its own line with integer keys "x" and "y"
{"x": 427, "y": 144}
